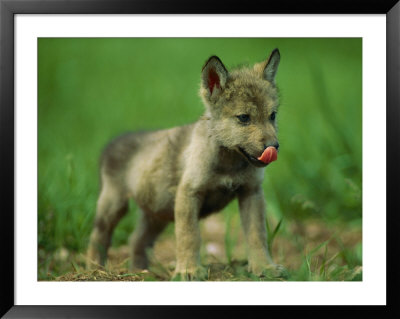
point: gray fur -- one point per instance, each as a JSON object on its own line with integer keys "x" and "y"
{"x": 186, "y": 173}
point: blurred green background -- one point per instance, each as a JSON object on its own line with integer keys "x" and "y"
{"x": 91, "y": 90}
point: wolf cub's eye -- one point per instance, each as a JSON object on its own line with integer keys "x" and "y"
{"x": 272, "y": 116}
{"x": 244, "y": 118}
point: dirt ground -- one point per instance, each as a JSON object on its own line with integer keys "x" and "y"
{"x": 288, "y": 249}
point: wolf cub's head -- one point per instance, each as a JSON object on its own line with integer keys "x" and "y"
{"x": 242, "y": 105}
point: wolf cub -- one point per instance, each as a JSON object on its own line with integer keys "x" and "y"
{"x": 185, "y": 173}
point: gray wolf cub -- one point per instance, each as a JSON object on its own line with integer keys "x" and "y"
{"x": 185, "y": 173}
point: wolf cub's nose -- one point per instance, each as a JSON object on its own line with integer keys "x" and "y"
{"x": 276, "y": 145}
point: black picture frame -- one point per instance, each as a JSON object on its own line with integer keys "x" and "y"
{"x": 8, "y": 10}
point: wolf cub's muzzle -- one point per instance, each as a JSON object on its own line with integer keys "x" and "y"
{"x": 260, "y": 161}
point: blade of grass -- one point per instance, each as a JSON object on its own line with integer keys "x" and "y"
{"x": 272, "y": 236}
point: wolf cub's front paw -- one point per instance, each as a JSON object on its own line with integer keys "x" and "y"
{"x": 92, "y": 259}
{"x": 275, "y": 272}
{"x": 197, "y": 274}
{"x": 272, "y": 271}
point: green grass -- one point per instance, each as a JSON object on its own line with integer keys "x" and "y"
{"x": 90, "y": 90}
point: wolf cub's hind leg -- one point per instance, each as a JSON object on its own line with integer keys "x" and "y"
{"x": 111, "y": 207}
{"x": 143, "y": 238}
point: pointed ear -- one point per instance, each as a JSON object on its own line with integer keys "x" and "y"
{"x": 214, "y": 76}
{"x": 272, "y": 66}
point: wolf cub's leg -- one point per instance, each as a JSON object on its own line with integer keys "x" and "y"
{"x": 111, "y": 207}
{"x": 143, "y": 238}
{"x": 252, "y": 214}
{"x": 187, "y": 232}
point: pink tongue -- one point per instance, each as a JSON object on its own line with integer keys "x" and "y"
{"x": 269, "y": 155}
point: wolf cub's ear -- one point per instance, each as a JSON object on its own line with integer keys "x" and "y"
{"x": 272, "y": 66}
{"x": 214, "y": 75}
